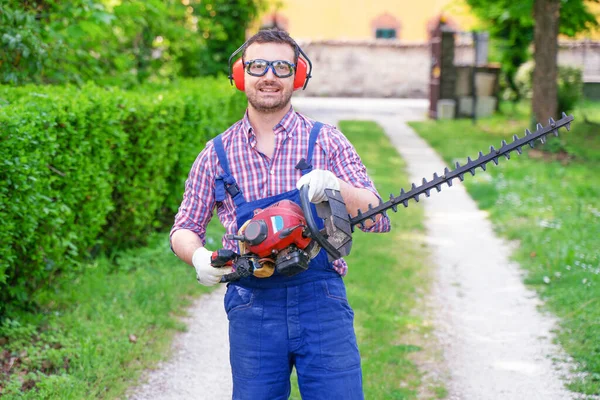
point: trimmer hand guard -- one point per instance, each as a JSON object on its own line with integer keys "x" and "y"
{"x": 336, "y": 236}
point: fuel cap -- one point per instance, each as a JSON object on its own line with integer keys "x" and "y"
{"x": 256, "y": 232}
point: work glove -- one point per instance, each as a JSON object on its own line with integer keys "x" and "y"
{"x": 206, "y": 274}
{"x": 318, "y": 180}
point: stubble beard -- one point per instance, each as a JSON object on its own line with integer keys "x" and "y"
{"x": 269, "y": 105}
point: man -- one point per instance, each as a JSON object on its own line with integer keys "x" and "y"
{"x": 279, "y": 322}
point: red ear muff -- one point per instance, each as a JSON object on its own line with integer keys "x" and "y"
{"x": 300, "y": 76}
{"x": 238, "y": 74}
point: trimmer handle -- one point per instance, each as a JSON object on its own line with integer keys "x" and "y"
{"x": 226, "y": 258}
{"x": 244, "y": 265}
{"x": 336, "y": 236}
{"x": 223, "y": 257}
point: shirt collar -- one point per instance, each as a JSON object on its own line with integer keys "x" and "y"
{"x": 287, "y": 125}
{"x": 246, "y": 127}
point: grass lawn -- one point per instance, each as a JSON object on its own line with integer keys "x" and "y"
{"x": 549, "y": 202}
{"x": 94, "y": 335}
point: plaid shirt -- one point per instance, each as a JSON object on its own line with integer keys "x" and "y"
{"x": 259, "y": 176}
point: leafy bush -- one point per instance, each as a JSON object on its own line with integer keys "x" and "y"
{"x": 524, "y": 79}
{"x": 121, "y": 43}
{"x": 570, "y": 85}
{"x": 55, "y": 184}
{"x": 92, "y": 168}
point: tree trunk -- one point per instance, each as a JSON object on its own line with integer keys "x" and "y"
{"x": 545, "y": 93}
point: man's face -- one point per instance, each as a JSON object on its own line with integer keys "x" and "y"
{"x": 269, "y": 93}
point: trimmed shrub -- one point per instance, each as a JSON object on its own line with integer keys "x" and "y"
{"x": 84, "y": 169}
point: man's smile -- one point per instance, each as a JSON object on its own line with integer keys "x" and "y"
{"x": 269, "y": 89}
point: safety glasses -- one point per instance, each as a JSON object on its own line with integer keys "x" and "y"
{"x": 281, "y": 68}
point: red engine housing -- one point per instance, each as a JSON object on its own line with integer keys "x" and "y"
{"x": 275, "y": 228}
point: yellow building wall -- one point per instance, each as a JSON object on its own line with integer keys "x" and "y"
{"x": 593, "y": 35}
{"x": 351, "y": 19}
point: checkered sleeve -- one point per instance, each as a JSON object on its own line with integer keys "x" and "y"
{"x": 196, "y": 209}
{"x": 347, "y": 165}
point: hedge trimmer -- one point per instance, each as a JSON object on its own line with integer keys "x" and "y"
{"x": 284, "y": 236}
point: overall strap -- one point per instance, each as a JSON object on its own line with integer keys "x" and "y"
{"x": 305, "y": 165}
{"x": 226, "y": 181}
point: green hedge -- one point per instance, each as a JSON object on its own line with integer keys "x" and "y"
{"x": 85, "y": 169}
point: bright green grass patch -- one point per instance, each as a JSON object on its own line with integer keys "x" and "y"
{"x": 386, "y": 279}
{"x": 550, "y": 204}
{"x": 95, "y": 335}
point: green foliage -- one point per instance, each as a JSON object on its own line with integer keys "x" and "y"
{"x": 55, "y": 185}
{"x": 524, "y": 80}
{"x": 119, "y": 43}
{"x": 220, "y": 24}
{"x": 576, "y": 17}
{"x": 93, "y": 168}
{"x": 570, "y": 88}
{"x": 511, "y": 27}
{"x": 22, "y": 49}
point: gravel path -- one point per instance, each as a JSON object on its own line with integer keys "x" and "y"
{"x": 199, "y": 368}
{"x": 496, "y": 344}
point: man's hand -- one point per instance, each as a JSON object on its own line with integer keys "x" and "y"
{"x": 206, "y": 274}
{"x": 318, "y": 180}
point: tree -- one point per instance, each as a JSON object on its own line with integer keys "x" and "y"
{"x": 545, "y": 91}
{"x": 120, "y": 43}
{"x": 551, "y": 18}
{"x": 22, "y": 50}
{"x": 223, "y": 23}
{"x": 511, "y": 26}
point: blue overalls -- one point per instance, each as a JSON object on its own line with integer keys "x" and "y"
{"x": 279, "y": 322}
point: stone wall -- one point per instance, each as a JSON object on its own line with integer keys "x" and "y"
{"x": 584, "y": 54}
{"x": 381, "y": 68}
{"x": 368, "y": 69}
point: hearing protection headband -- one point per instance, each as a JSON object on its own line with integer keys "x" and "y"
{"x": 242, "y": 47}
